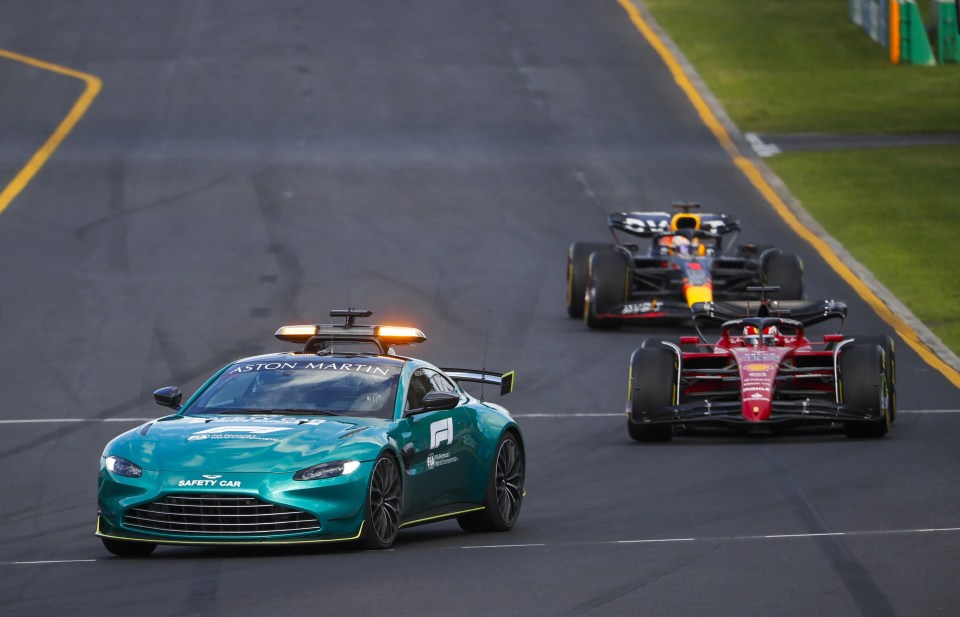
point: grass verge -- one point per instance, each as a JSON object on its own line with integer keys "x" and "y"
{"x": 781, "y": 66}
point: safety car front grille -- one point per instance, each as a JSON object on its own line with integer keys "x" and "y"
{"x": 218, "y": 515}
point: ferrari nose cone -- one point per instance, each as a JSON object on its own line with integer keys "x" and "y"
{"x": 756, "y": 381}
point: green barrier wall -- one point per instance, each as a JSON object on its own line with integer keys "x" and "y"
{"x": 898, "y": 27}
{"x": 948, "y": 37}
{"x": 914, "y": 44}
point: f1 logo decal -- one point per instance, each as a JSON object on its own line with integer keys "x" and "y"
{"x": 441, "y": 432}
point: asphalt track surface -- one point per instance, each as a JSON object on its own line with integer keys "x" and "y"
{"x": 249, "y": 164}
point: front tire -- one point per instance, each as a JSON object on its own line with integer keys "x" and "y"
{"x": 607, "y": 286}
{"x": 650, "y": 389}
{"x": 504, "y": 494}
{"x": 890, "y": 362}
{"x": 382, "y": 520}
{"x": 124, "y": 548}
{"x": 786, "y": 272}
{"x": 863, "y": 385}
{"x": 578, "y": 258}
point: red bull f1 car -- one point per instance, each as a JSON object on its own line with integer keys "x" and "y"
{"x": 763, "y": 374}
{"x": 692, "y": 258}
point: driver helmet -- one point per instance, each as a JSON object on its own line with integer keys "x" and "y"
{"x": 751, "y": 336}
{"x": 770, "y": 334}
{"x": 681, "y": 245}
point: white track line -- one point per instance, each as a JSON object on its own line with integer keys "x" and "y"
{"x": 568, "y": 415}
{"x": 618, "y": 415}
{"x": 72, "y": 420}
{"x": 40, "y": 563}
{"x": 720, "y": 539}
{"x": 791, "y": 536}
{"x": 516, "y": 415}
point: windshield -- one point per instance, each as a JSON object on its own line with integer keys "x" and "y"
{"x": 357, "y": 387}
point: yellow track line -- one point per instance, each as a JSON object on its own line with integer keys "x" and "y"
{"x": 79, "y": 108}
{"x": 755, "y": 176}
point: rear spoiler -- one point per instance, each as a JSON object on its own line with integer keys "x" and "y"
{"x": 505, "y": 380}
{"x": 806, "y": 312}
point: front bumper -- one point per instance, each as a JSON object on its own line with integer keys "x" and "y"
{"x": 336, "y": 503}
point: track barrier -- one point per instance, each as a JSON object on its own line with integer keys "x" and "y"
{"x": 897, "y": 26}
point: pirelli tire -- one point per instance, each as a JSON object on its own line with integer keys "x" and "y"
{"x": 578, "y": 258}
{"x": 608, "y": 285}
{"x": 885, "y": 343}
{"x": 863, "y": 387}
{"x": 784, "y": 270}
{"x": 650, "y": 389}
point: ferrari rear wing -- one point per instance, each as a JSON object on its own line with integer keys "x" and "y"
{"x": 505, "y": 380}
{"x": 806, "y": 312}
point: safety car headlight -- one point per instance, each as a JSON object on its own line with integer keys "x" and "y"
{"x": 327, "y": 470}
{"x": 123, "y": 467}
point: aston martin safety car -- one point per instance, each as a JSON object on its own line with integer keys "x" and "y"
{"x": 692, "y": 257}
{"x": 340, "y": 440}
{"x": 763, "y": 374}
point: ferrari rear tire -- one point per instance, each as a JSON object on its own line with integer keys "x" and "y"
{"x": 125, "y": 548}
{"x": 886, "y": 344}
{"x": 650, "y": 389}
{"x": 504, "y": 493}
{"x": 607, "y": 286}
{"x": 384, "y": 502}
{"x": 578, "y": 258}
{"x": 863, "y": 386}
{"x": 785, "y": 271}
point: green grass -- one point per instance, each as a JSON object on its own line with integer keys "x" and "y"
{"x": 787, "y": 66}
{"x": 905, "y": 232}
{"x": 782, "y": 66}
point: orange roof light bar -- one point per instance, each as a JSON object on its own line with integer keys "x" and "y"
{"x": 296, "y": 334}
{"x": 400, "y": 335}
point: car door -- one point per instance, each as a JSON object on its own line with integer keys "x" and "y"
{"x": 440, "y": 449}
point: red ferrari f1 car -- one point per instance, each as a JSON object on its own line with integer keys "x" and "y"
{"x": 763, "y": 374}
{"x": 692, "y": 257}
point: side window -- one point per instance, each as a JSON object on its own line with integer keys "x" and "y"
{"x": 441, "y": 383}
{"x": 419, "y": 386}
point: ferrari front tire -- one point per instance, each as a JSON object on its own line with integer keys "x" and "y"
{"x": 607, "y": 286}
{"x": 890, "y": 362}
{"x": 863, "y": 386}
{"x": 650, "y": 388}
{"x": 578, "y": 258}
{"x": 125, "y": 548}
{"x": 504, "y": 493}
{"x": 382, "y": 520}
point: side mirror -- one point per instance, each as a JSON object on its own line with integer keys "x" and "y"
{"x": 439, "y": 401}
{"x": 168, "y": 397}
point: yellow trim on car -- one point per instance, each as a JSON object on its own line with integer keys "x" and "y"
{"x": 440, "y": 516}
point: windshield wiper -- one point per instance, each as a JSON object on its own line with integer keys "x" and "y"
{"x": 280, "y": 412}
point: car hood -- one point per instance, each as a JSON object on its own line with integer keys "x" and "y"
{"x": 262, "y": 444}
